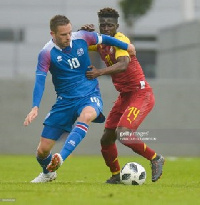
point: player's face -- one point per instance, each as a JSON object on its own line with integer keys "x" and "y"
{"x": 62, "y": 36}
{"x": 108, "y": 25}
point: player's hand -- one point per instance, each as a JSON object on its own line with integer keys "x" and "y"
{"x": 93, "y": 73}
{"x": 131, "y": 50}
{"x": 31, "y": 116}
{"x": 87, "y": 27}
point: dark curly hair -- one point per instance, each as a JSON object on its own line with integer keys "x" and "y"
{"x": 108, "y": 12}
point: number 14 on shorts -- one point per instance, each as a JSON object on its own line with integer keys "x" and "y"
{"x": 133, "y": 113}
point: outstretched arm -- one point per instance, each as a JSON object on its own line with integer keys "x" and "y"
{"x": 108, "y": 40}
{"x": 111, "y": 41}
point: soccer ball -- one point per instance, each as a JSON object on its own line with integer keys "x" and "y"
{"x": 133, "y": 174}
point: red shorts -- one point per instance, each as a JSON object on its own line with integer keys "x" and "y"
{"x": 130, "y": 109}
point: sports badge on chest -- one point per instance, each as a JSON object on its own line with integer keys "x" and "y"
{"x": 80, "y": 52}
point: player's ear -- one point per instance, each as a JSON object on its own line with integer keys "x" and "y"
{"x": 52, "y": 34}
{"x": 117, "y": 26}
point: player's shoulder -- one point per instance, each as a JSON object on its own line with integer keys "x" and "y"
{"x": 85, "y": 35}
{"x": 90, "y": 38}
{"x": 122, "y": 37}
{"x": 49, "y": 45}
{"x": 45, "y": 51}
{"x": 47, "y": 48}
{"x": 79, "y": 34}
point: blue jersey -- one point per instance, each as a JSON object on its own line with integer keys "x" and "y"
{"x": 68, "y": 66}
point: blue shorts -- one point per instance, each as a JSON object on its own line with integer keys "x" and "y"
{"x": 64, "y": 113}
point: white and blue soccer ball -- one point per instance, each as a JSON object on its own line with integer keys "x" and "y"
{"x": 133, "y": 174}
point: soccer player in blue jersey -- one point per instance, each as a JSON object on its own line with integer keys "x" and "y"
{"x": 78, "y": 98}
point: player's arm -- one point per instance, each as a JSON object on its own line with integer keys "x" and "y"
{"x": 37, "y": 96}
{"x": 38, "y": 90}
{"x": 89, "y": 28}
{"x": 120, "y": 66}
{"x": 111, "y": 41}
{"x": 122, "y": 58}
{"x": 93, "y": 38}
{"x": 108, "y": 40}
{"x": 105, "y": 39}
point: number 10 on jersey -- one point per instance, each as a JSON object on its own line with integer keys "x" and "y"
{"x": 74, "y": 63}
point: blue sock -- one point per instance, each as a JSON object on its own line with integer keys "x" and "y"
{"x": 74, "y": 138}
{"x": 44, "y": 162}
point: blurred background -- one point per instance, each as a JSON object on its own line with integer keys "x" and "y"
{"x": 166, "y": 34}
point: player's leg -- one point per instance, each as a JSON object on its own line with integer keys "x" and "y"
{"x": 74, "y": 138}
{"x": 78, "y": 133}
{"x": 44, "y": 152}
{"x": 53, "y": 129}
{"x": 139, "y": 107}
{"x": 110, "y": 154}
{"x": 47, "y": 141}
{"x": 87, "y": 111}
{"x": 127, "y": 137}
{"x": 108, "y": 145}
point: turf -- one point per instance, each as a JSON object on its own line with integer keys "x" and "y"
{"x": 81, "y": 182}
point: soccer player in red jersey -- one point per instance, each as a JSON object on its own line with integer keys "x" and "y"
{"x": 135, "y": 100}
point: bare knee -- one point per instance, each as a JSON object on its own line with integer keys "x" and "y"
{"x": 108, "y": 137}
{"x": 87, "y": 115}
{"x": 87, "y": 118}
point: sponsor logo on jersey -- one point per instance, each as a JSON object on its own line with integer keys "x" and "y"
{"x": 59, "y": 58}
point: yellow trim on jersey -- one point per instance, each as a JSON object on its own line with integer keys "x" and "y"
{"x": 119, "y": 52}
{"x": 93, "y": 48}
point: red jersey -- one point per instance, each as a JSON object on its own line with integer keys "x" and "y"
{"x": 130, "y": 80}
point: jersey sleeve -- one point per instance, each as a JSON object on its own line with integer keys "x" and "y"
{"x": 43, "y": 61}
{"x": 93, "y": 38}
{"x": 119, "y": 52}
{"x": 38, "y": 89}
{"x": 40, "y": 77}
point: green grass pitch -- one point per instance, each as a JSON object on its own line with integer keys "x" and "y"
{"x": 81, "y": 182}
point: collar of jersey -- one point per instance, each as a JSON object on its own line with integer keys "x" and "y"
{"x": 57, "y": 47}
